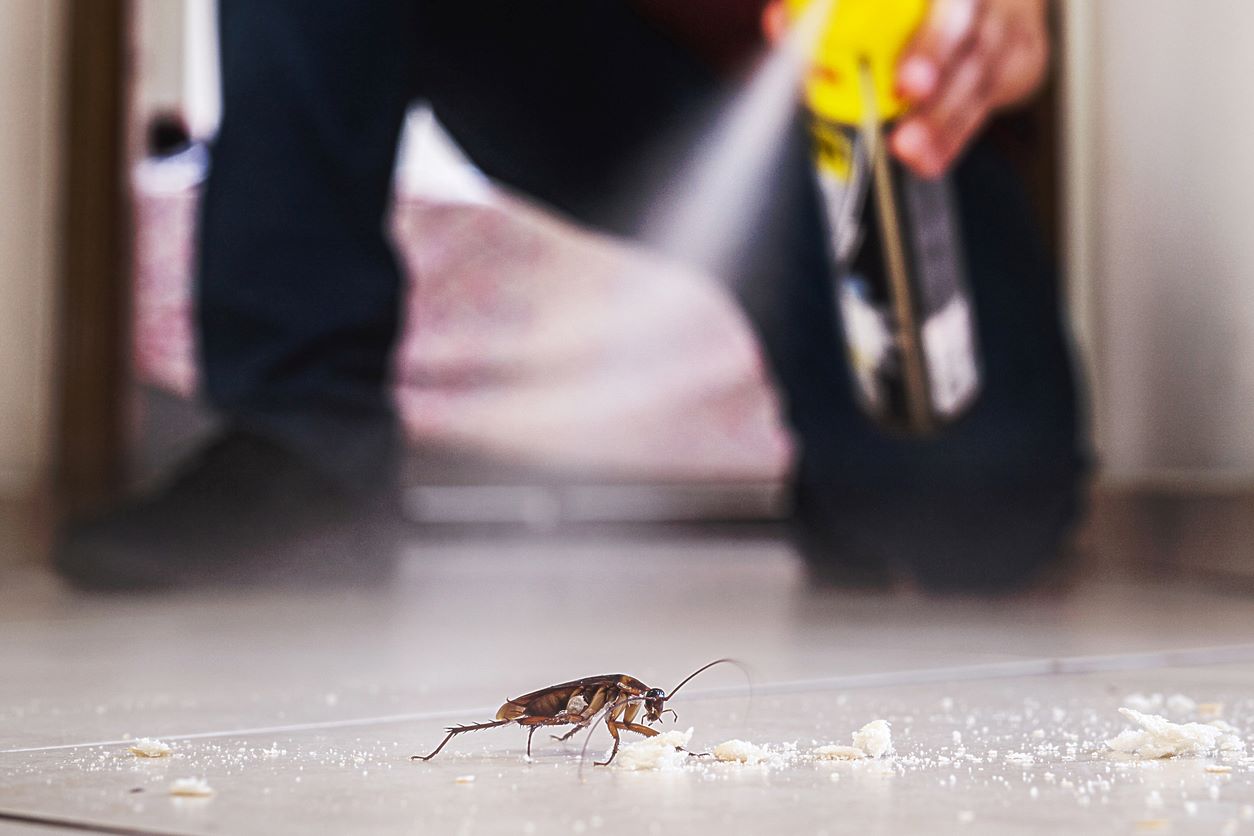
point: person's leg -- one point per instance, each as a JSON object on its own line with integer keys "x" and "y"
{"x": 573, "y": 108}
{"x": 299, "y": 302}
{"x": 299, "y": 290}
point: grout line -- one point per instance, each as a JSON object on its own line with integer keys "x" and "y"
{"x": 41, "y": 820}
{"x": 291, "y": 727}
{"x": 1050, "y": 666}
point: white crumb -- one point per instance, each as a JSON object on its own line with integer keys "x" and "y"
{"x": 191, "y": 787}
{"x": 875, "y": 738}
{"x": 662, "y": 752}
{"x": 1218, "y": 769}
{"x": 741, "y": 751}
{"x": 149, "y": 747}
{"x": 839, "y": 753}
{"x": 1158, "y": 737}
{"x": 464, "y": 779}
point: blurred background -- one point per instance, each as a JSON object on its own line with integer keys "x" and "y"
{"x": 533, "y": 391}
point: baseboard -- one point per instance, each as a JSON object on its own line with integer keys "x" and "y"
{"x": 1202, "y": 529}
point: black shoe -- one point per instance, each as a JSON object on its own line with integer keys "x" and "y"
{"x": 244, "y": 511}
{"x": 832, "y": 545}
{"x": 967, "y": 541}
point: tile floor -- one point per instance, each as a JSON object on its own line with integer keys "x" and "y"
{"x": 301, "y": 710}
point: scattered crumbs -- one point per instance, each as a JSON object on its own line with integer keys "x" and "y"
{"x": 740, "y": 751}
{"x": 191, "y": 788}
{"x": 149, "y": 747}
{"x": 662, "y": 752}
{"x": 1218, "y": 768}
{"x": 464, "y": 779}
{"x": 839, "y": 753}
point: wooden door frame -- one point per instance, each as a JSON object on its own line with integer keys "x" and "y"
{"x": 92, "y": 379}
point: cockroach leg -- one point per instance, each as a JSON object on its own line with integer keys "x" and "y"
{"x": 613, "y": 727}
{"x": 530, "y": 735}
{"x": 636, "y": 727}
{"x": 562, "y": 738}
{"x": 456, "y": 730}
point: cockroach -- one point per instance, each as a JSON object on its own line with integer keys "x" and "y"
{"x": 580, "y": 703}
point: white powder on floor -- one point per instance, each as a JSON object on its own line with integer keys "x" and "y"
{"x": 191, "y": 787}
{"x": 839, "y": 753}
{"x": 875, "y": 738}
{"x": 1158, "y": 737}
{"x": 662, "y": 752}
{"x": 149, "y": 747}
{"x": 741, "y": 751}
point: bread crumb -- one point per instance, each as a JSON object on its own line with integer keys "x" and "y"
{"x": 875, "y": 738}
{"x": 740, "y": 751}
{"x": 1153, "y": 824}
{"x": 191, "y": 788}
{"x": 149, "y": 747}
{"x": 464, "y": 779}
{"x": 1218, "y": 769}
{"x": 839, "y": 753}
{"x": 1158, "y": 737}
{"x": 662, "y": 752}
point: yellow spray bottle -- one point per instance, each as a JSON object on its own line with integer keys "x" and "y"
{"x": 902, "y": 292}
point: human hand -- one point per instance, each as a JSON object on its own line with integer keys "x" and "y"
{"x": 971, "y": 58}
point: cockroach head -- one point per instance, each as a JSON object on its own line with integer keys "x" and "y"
{"x": 654, "y": 699}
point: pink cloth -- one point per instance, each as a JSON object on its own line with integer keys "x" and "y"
{"x": 526, "y": 339}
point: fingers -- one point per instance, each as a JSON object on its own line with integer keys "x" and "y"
{"x": 950, "y": 28}
{"x": 775, "y": 21}
{"x": 970, "y": 58}
{"x": 943, "y": 124}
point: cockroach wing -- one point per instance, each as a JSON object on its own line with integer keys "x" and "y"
{"x": 546, "y": 702}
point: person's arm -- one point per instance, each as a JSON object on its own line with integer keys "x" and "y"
{"x": 971, "y": 58}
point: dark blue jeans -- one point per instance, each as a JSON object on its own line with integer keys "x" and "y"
{"x": 583, "y": 105}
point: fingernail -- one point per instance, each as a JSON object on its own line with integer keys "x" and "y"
{"x": 917, "y": 77}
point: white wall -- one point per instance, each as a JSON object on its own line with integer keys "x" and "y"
{"x": 30, "y": 45}
{"x": 1162, "y": 156}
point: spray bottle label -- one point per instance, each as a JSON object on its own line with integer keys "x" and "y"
{"x": 908, "y": 320}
